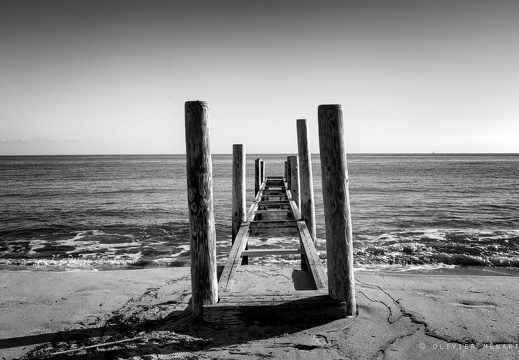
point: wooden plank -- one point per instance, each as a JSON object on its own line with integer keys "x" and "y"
{"x": 295, "y": 210}
{"x": 274, "y": 192}
{"x": 298, "y": 313}
{"x": 275, "y": 211}
{"x": 267, "y": 196}
{"x": 264, "y": 252}
{"x": 250, "y": 216}
{"x": 264, "y": 205}
{"x": 273, "y": 202}
{"x": 314, "y": 263}
{"x": 276, "y": 300}
{"x": 234, "y": 259}
{"x": 288, "y": 194}
{"x": 252, "y": 211}
{"x": 274, "y": 188}
{"x": 289, "y": 295}
{"x": 272, "y": 224}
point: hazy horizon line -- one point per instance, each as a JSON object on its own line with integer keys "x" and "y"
{"x": 273, "y": 153}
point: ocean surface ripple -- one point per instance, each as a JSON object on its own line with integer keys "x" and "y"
{"x": 104, "y": 212}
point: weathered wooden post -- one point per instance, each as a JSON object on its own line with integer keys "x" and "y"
{"x": 339, "y": 239}
{"x": 263, "y": 173}
{"x": 201, "y": 215}
{"x": 286, "y": 171}
{"x": 305, "y": 177}
{"x": 294, "y": 179}
{"x": 257, "y": 176}
{"x": 289, "y": 179}
{"x": 239, "y": 211}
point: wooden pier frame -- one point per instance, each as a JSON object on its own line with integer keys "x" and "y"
{"x": 280, "y": 203}
{"x": 334, "y": 173}
{"x": 202, "y": 231}
{"x": 307, "y": 249}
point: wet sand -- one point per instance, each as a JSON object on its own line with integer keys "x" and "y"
{"x": 145, "y": 314}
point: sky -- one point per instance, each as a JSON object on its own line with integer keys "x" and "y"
{"x": 112, "y": 77}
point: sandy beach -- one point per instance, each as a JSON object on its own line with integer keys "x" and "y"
{"x": 145, "y": 314}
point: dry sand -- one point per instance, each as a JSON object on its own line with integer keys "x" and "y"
{"x": 472, "y": 315}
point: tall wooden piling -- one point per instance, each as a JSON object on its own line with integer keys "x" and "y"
{"x": 334, "y": 173}
{"x": 289, "y": 177}
{"x": 306, "y": 189}
{"x": 294, "y": 179}
{"x": 257, "y": 175}
{"x": 202, "y": 231}
{"x": 239, "y": 211}
{"x": 263, "y": 172}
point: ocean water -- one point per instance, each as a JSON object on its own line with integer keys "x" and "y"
{"x": 104, "y": 212}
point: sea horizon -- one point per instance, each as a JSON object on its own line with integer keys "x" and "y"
{"x": 280, "y": 153}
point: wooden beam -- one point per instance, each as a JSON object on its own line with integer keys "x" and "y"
{"x": 295, "y": 210}
{"x": 273, "y": 202}
{"x": 272, "y": 224}
{"x": 257, "y": 175}
{"x": 288, "y": 174}
{"x": 313, "y": 262}
{"x": 281, "y": 197}
{"x": 275, "y": 211}
{"x": 264, "y": 252}
{"x": 310, "y": 296}
{"x": 252, "y": 211}
{"x": 273, "y": 192}
{"x": 337, "y": 214}
{"x": 234, "y": 260}
{"x": 294, "y": 179}
{"x": 263, "y": 172}
{"x": 238, "y": 189}
{"x": 204, "y": 283}
{"x": 307, "y": 206}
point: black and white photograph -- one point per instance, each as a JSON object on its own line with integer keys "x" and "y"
{"x": 236, "y": 179}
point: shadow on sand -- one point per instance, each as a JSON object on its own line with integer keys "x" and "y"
{"x": 178, "y": 332}
{"x": 140, "y": 332}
